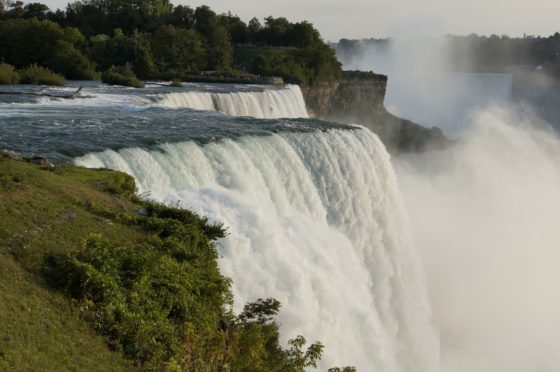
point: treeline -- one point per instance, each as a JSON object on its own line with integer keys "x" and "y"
{"x": 478, "y": 53}
{"x": 474, "y": 53}
{"x": 158, "y": 40}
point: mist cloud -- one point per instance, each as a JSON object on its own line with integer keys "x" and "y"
{"x": 485, "y": 218}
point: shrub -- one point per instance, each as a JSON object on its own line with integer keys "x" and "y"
{"x": 121, "y": 75}
{"x": 157, "y": 298}
{"x": 162, "y": 301}
{"x": 72, "y": 63}
{"x": 8, "y": 74}
{"x": 38, "y": 75}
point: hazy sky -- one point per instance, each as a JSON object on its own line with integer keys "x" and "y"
{"x": 379, "y": 18}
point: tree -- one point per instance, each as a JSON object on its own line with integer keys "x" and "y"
{"x": 35, "y": 10}
{"x": 121, "y": 49}
{"x": 178, "y": 51}
{"x": 205, "y": 20}
{"x": 303, "y": 35}
{"x": 71, "y": 63}
{"x": 143, "y": 62}
{"x": 111, "y": 51}
{"x": 275, "y": 31}
{"x": 253, "y": 30}
{"x": 15, "y": 8}
{"x": 235, "y": 27}
{"x": 220, "y": 52}
{"x": 298, "y": 359}
{"x": 182, "y": 16}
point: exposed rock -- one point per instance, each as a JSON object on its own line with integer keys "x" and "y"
{"x": 357, "y": 98}
{"x": 42, "y": 161}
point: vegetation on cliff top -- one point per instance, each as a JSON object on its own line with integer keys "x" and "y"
{"x": 159, "y": 40}
{"x": 80, "y": 251}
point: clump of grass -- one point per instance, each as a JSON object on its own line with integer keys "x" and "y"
{"x": 8, "y": 74}
{"x": 121, "y": 75}
{"x": 39, "y": 75}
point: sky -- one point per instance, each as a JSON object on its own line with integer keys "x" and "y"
{"x": 352, "y": 19}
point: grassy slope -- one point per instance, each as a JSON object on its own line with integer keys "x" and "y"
{"x": 42, "y": 212}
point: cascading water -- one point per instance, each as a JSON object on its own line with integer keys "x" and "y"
{"x": 315, "y": 220}
{"x": 286, "y": 102}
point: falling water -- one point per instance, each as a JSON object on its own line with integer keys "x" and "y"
{"x": 315, "y": 220}
{"x": 285, "y": 102}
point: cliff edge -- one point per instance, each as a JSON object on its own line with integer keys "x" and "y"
{"x": 357, "y": 98}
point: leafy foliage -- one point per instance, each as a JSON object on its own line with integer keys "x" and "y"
{"x": 256, "y": 344}
{"x": 121, "y": 75}
{"x": 159, "y": 40}
{"x": 38, "y": 75}
{"x": 307, "y": 66}
{"x": 163, "y": 302}
{"x": 29, "y": 41}
{"x": 156, "y": 299}
{"x": 178, "y": 51}
{"x": 8, "y": 74}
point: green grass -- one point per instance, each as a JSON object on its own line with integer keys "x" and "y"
{"x": 51, "y": 211}
{"x": 42, "y": 330}
{"x": 44, "y": 212}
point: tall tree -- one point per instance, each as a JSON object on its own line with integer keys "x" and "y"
{"x": 178, "y": 51}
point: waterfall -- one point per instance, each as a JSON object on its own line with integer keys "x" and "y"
{"x": 286, "y": 102}
{"x": 316, "y": 221}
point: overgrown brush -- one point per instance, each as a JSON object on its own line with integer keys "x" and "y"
{"x": 121, "y": 75}
{"x": 8, "y": 74}
{"x": 38, "y": 75}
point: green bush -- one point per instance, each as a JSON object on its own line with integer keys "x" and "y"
{"x": 121, "y": 75}
{"x": 8, "y": 74}
{"x": 69, "y": 61}
{"x": 152, "y": 298}
{"x": 38, "y": 75}
{"x": 163, "y": 302}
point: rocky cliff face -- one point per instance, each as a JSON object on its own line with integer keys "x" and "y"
{"x": 357, "y": 98}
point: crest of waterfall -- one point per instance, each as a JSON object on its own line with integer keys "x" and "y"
{"x": 285, "y": 102}
{"x": 315, "y": 220}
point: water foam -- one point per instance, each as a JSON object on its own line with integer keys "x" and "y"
{"x": 316, "y": 221}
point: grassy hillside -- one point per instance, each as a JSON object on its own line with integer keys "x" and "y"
{"x": 43, "y": 212}
{"x": 42, "y": 330}
{"x": 94, "y": 278}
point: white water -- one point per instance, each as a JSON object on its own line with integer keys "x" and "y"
{"x": 287, "y": 102}
{"x": 315, "y": 220}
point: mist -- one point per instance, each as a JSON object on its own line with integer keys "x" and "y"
{"x": 484, "y": 212}
{"x": 423, "y": 85}
{"x": 437, "y": 80}
{"x": 484, "y": 216}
